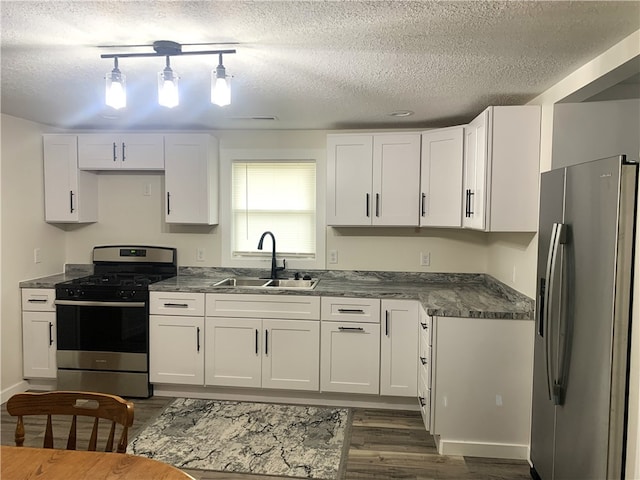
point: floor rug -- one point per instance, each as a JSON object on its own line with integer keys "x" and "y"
{"x": 259, "y": 438}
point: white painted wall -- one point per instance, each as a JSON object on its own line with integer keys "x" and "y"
{"x": 22, "y": 230}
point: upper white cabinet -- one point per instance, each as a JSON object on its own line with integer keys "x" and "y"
{"x": 191, "y": 179}
{"x": 373, "y": 179}
{"x": 441, "y": 177}
{"x": 70, "y": 195}
{"x": 399, "y": 348}
{"x": 501, "y": 169}
{"x": 121, "y": 151}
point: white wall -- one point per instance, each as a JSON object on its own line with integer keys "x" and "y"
{"x": 23, "y": 229}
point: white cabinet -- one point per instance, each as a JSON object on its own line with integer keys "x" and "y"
{"x": 424, "y": 368}
{"x": 373, "y": 179}
{"x": 176, "y": 338}
{"x": 268, "y": 341}
{"x": 482, "y": 385}
{"x": 399, "y": 348}
{"x": 501, "y": 169}
{"x": 191, "y": 179}
{"x": 350, "y": 349}
{"x": 121, "y": 151}
{"x": 70, "y": 195}
{"x": 39, "y": 333}
{"x": 441, "y": 177}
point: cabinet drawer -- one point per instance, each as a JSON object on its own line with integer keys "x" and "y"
{"x": 38, "y": 299}
{"x": 338, "y": 309}
{"x": 263, "y": 306}
{"x": 176, "y": 303}
{"x": 424, "y": 363}
{"x": 425, "y": 328}
{"x": 424, "y": 401}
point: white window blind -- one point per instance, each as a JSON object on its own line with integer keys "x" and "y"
{"x": 279, "y": 196}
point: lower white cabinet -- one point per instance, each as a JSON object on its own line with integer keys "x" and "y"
{"x": 350, "y": 357}
{"x": 399, "y": 348}
{"x": 176, "y": 338}
{"x": 176, "y": 349}
{"x": 38, "y": 333}
{"x": 268, "y": 353}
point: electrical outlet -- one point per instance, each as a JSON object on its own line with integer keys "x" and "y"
{"x": 425, "y": 259}
{"x": 36, "y": 255}
{"x": 200, "y": 255}
{"x": 513, "y": 275}
{"x": 333, "y": 256}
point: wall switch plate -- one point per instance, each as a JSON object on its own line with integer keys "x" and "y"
{"x": 37, "y": 258}
{"x": 200, "y": 255}
{"x": 147, "y": 190}
{"x": 425, "y": 259}
{"x": 333, "y": 256}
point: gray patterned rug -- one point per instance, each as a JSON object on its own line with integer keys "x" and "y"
{"x": 259, "y": 438}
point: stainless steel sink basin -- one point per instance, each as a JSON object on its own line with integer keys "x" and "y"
{"x": 280, "y": 283}
{"x": 290, "y": 283}
{"x": 243, "y": 282}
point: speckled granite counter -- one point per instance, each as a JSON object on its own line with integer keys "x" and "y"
{"x": 445, "y": 295}
{"x": 442, "y": 294}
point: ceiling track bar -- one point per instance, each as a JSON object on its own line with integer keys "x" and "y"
{"x": 164, "y": 54}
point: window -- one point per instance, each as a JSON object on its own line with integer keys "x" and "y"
{"x": 276, "y": 190}
{"x": 275, "y": 196}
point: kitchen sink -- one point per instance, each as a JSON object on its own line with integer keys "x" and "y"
{"x": 280, "y": 283}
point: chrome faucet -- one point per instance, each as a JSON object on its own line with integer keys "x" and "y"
{"x": 274, "y": 268}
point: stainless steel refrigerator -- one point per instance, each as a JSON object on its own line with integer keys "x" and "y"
{"x": 583, "y": 313}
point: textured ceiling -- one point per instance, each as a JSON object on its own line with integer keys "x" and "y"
{"x": 316, "y": 64}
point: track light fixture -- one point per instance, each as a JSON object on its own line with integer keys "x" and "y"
{"x": 168, "y": 95}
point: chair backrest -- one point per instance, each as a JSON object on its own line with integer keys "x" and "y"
{"x": 84, "y": 404}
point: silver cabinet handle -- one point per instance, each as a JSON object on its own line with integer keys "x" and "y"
{"x": 423, "y": 360}
{"x": 422, "y": 208}
{"x": 424, "y": 326}
{"x": 257, "y": 333}
{"x": 176, "y": 305}
{"x": 71, "y": 194}
{"x": 266, "y": 342}
{"x": 123, "y": 157}
{"x": 422, "y": 401}
{"x": 50, "y": 333}
{"x": 350, "y": 310}
{"x": 367, "y": 207}
{"x": 386, "y": 322}
{"x": 115, "y": 155}
{"x": 377, "y": 204}
{"x": 88, "y": 303}
{"x": 197, "y": 339}
{"x": 168, "y": 203}
{"x": 351, "y": 329}
{"x": 37, "y": 300}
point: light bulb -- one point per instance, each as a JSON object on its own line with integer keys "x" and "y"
{"x": 115, "y": 91}
{"x": 168, "y": 89}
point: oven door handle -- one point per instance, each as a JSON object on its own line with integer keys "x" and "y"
{"x": 87, "y": 303}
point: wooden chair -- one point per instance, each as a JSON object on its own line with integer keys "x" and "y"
{"x": 84, "y": 404}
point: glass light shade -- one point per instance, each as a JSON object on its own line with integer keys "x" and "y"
{"x": 115, "y": 90}
{"x": 168, "y": 89}
{"x": 220, "y": 89}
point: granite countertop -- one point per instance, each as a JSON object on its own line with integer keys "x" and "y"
{"x": 442, "y": 294}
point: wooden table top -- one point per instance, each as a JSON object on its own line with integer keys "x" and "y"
{"x": 21, "y": 463}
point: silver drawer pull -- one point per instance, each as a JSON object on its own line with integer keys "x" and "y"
{"x": 422, "y": 401}
{"x": 350, "y": 310}
{"x": 37, "y": 300}
{"x": 176, "y": 305}
{"x": 423, "y": 360}
{"x": 351, "y": 329}
{"x": 424, "y": 326}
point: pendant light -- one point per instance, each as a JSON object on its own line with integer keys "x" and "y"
{"x": 220, "y": 85}
{"x": 115, "y": 89}
{"x": 168, "y": 87}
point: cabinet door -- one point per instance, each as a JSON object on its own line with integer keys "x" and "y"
{"x": 350, "y": 357}
{"x": 441, "y": 178}
{"x": 39, "y": 344}
{"x": 475, "y": 165}
{"x": 70, "y": 196}
{"x": 142, "y": 151}
{"x": 396, "y": 179}
{"x": 233, "y": 351}
{"x": 349, "y": 179}
{"x": 399, "y": 348}
{"x": 191, "y": 179}
{"x": 291, "y": 354}
{"x": 99, "y": 152}
{"x": 176, "y": 349}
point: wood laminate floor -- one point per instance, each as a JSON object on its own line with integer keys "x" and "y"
{"x": 382, "y": 445}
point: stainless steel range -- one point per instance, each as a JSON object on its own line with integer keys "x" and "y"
{"x": 103, "y": 320}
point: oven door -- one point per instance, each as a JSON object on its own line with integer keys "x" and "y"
{"x": 102, "y": 335}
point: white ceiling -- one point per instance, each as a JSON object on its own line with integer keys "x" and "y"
{"x": 312, "y": 64}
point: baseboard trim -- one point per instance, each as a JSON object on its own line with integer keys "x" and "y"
{"x": 19, "y": 387}
{"x": 282, "y": 396}
{"x": 488, "y": 450}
